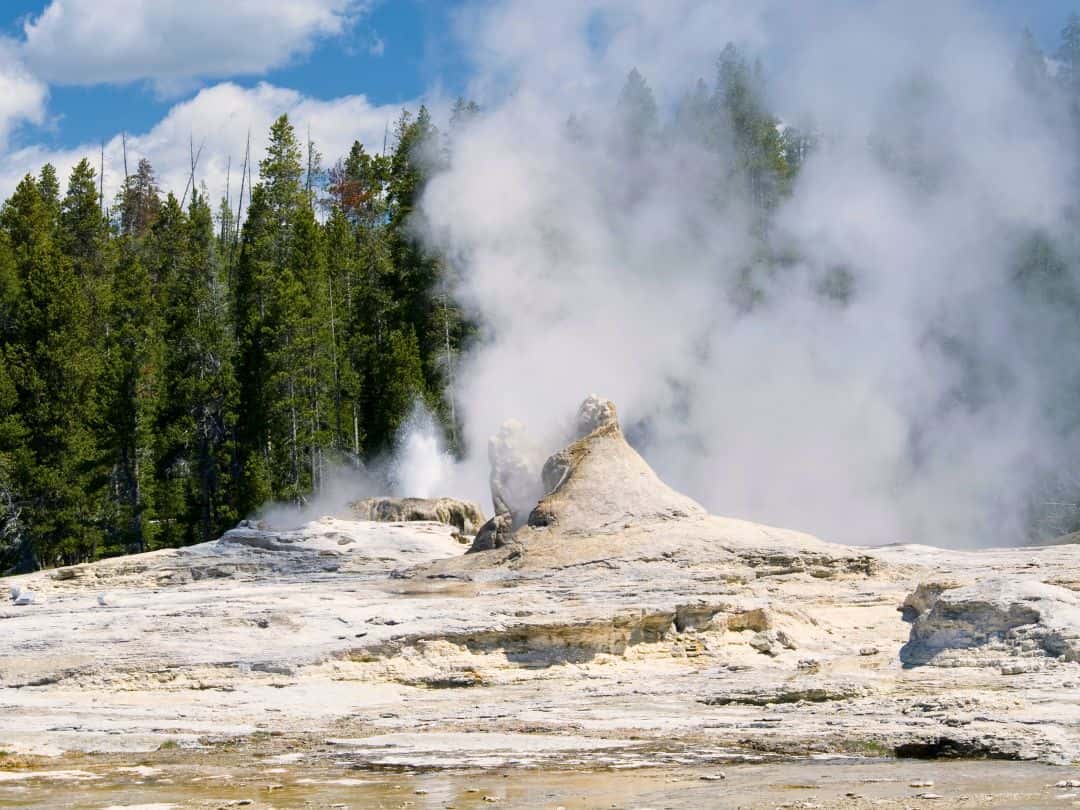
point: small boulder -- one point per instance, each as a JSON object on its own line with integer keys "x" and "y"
{"x": 496, "y": 533}
{"x": 465, "y": 516}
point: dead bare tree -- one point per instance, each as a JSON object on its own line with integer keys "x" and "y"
{"x": 194, "y": 163}
{"x": 228, "y": 182}
{"x": 244, "y": 174}
{"x": 101, "y": 180}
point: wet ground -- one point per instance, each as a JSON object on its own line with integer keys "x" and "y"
{"x": 219, "y": 778}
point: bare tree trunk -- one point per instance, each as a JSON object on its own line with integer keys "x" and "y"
{"x": 243, "y": 177}
{"x": 101, "y": 181}
{"x": 356, "y": 431}
{"x": 292, "y": 416}
{"x": 450, "y": 374}
{"x": 194, "y": 162}
{"x": 228, "y": 181}
{"x": 333, "y": 358}
{"x": 137, "y": 516}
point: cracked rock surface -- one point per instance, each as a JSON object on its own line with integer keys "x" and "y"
{"x": 621, "y": 626}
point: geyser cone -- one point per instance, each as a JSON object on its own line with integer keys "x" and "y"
{"x": 596, "y": 484}
{"x": 600, "y": 483}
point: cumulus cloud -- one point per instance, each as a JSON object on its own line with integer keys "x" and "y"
{"x": 218, "y": 119}
{"x": 924, "y": 409}
{"x": 22, "y": 96}
{"x": 170, "y": 42}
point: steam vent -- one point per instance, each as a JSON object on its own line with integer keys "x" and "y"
{"x": 599, "y": 617}
{"x": 596, "y": 484}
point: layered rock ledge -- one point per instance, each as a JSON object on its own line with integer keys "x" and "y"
{"x": 612, "y": 608}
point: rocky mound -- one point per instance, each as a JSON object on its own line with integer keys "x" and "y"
{"x": 614, "y": 606}
{"x": 596, "y": 484}
{"x": 600, "y": 483}
{"x": 990, "y": 620}
{"x": 465, "y": 516}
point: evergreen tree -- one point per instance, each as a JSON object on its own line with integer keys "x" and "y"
{"x": 12, "y": 433}
{"x": 420, "y": 284}
{"x": 636, "y": 110}
{"x": 139, "y": 201}
{"x": 1030, "y": 65}
{"x": 51, "y": 375}
{"x": 133, "y": 390}
{"x": 1069, "y": 55}
{"x": 285, "y": 363}
{"x": 197, "y": 420}
{"x": 755, "y": 136}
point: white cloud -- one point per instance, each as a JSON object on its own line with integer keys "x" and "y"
{"x": 169, "y": 41}
{"x": 22, "y": 96}
{"x": 218, "y": 118}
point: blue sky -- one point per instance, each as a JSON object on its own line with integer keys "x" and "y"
{"x": 74, "y": 73}
{"x": 417, "y": 52}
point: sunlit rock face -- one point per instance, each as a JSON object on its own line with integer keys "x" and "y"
{"x": 465, "y": 516}
{"x": 1010, "y": 623}
{"x": 598, "y": 482}
{"x": 619, "y": 609}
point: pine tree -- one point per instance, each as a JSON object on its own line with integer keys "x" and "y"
{"x": 286, "y": 350}
{"x": 53, "y": 368}
{"x": 1069, "y": 54}
{"x": 419, "y": 284}
{"x": 12, "y": 433}
{"x": 636, "y": 111}
{"x": 755, "y": 137}
{"x": 133, "y": 390}
{"x": 139, "y": 201}
{"x": 197, "y": 420}
{"x": 1030, "y": 65}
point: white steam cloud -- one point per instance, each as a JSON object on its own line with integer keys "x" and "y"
{"x": 922, "y": 409}
{"x": 419, "y": 466}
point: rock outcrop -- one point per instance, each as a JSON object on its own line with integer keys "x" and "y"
{"x": 596, "y": 484}
{"x": 465, "y": 516}
{"x": 991, "y": 620}
{"x": 599, "y": 483}
{"x": 619, "y": 608}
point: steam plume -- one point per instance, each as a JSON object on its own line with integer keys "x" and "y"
{"x": 883, "y": 377}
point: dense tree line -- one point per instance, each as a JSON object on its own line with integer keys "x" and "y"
{"x": 164, "y": 372}
{"x": 166, "y": 369}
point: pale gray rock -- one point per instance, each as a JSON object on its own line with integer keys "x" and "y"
{"x": 465, "y": 516}
{"x": 629, "y": 615}
{"x": 600, "y": 483}
{"x": 995, "y": 616}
